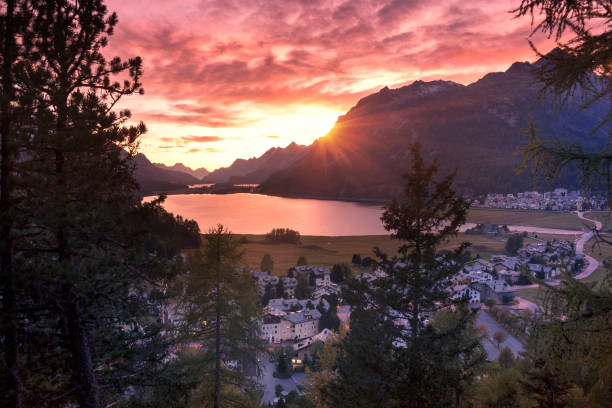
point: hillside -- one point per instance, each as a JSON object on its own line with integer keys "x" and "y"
{"x": 476, "y": 129}
{"x": 153, "y": 179}
{"x": 257, "y": 170}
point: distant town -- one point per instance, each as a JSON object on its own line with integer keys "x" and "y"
{"x": 560, "y": 199}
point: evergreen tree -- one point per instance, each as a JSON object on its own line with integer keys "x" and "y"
{"x": 267, "y": 263}
{"x": 302, "y": 261}
{"x": 302, "y": 290}
{"x": 339, "y": 272}
{"x": 15, "y": 109}
{"x": 393, "y": 350}
{"x": 90, "y": 290}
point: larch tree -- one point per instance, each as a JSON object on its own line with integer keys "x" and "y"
{"x": 221, "y": 314}
{"x": 568, "y": 348}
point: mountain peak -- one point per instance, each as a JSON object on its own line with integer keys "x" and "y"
{"x": 197, "y": 173}
{"x": 390, "y": 99}
{"x": 520, "y": 68}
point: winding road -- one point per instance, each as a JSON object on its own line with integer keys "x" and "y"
{"x": 591, "y": 262}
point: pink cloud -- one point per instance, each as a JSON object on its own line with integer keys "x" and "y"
{"x": 210, "y": 61}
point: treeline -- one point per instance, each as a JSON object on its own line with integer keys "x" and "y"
{"x": 283, "y": 235}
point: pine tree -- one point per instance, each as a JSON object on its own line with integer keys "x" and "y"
{"x": 90, "y": 289}
{"x": 14, "y": 110}
{"x": 267, "y": 263}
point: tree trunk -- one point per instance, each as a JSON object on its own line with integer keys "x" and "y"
{"x": 83, "y": 377}
{"x": 218, "y": 334}
{"x": 9, "y": 323}
{"x": 218, "y": 360}
{"x": 82, "y": 367}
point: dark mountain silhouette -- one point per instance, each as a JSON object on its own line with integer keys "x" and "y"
{"x": 476, "y": 129}
{"x": 197, "y": 173}
{"x": 153, "y": 179}
{"x": 257, "y": 170}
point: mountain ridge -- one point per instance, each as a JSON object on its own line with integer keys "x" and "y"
{"x": 474, "y": 128}
{"x": 198, "y": 173}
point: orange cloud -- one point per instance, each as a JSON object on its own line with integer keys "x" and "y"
{"x": 229, "y": 66}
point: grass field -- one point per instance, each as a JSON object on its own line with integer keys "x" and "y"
{"x": 327, "y": 251}
{"x": 545, "y": 219}
{"x": 530, "y": 294}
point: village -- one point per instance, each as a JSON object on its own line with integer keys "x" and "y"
{"x": 298, "y": 306}
{"x": 560, "y": 199}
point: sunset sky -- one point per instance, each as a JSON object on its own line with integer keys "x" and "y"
{"x": 231, "y": 78}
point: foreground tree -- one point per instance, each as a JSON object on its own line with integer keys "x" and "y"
{"x": 578, "y": 72}
{"x": 15, "y": 20}
{"x": 221, "y": 315}
{"x": 91, "y": 264}
{"x": 407, "y": 345}
{"x": 573, "y": 332}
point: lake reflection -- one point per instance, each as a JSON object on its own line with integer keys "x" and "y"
{"x": 257, "y": 214}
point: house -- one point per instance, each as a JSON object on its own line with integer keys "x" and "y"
{"x": 289, "y": 285}
{"x": 304, "y": 324}
{"x": 466, "y": 292}
{"x": 326, "y": 290}
{"x": 322, "y": 336}
{"x": 511, "y": 277}
{"x": 497, "y": 289}
{"x": 263, "y": 279}
{"x": 320, "y": 274}
{"x": 292, "y": 326}
{"x": 285, "y": 305}
{"x": 479, "y": 277}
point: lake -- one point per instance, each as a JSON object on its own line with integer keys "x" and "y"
{"x": 245, "y": 213}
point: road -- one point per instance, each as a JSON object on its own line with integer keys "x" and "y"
{"x": 511, "y": 341}
{"x": 584, "y": 238}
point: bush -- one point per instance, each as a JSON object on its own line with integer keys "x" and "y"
{"x": 356, "y": 259}
{"x": 514, "y": 243}
{"x": 302, "y": 261}
{"x": 367, "y": 262}
{"x": 283, "y": 235}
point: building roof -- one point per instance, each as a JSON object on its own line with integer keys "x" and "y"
{"x": 303, "y": 316}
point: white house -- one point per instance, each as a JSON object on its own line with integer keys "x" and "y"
{"x": 464, "y": 291}
{"x": 292, "y": 326}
